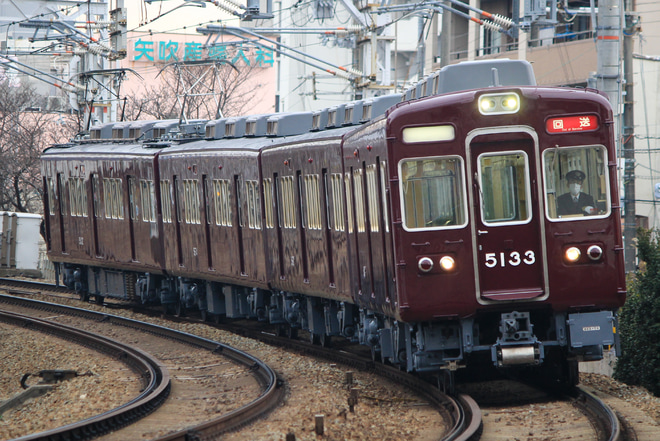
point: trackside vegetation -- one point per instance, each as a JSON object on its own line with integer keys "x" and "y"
{"x": 639, "y": 320}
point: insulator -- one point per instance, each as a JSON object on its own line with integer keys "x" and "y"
{"x": 231, "y": 2}
{"x": 490, "y": 25}
{"x": 502, "y": 21}
{"x": 232, "y": 10}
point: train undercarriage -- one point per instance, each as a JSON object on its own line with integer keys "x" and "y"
{"x": 552, "y": 342}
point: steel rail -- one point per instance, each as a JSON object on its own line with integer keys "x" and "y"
{"x": 154, "y": 376}
{"x": 271, "y": 395}
{"x": 595, "y": 407}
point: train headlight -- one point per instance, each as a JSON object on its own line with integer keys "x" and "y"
{"x": 572, "y": 254}
{"x": 447, "y": 263}
{"x": 499, "y": 103}
{"x": 595, "y": 252}
{"x": 425, "y": 264}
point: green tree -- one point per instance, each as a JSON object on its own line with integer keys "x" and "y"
{"x": 639, "y": 322}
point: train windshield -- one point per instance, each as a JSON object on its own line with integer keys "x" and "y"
{"x": 432, "y": 193}
{"x": 504, "y": 188}
{"x": 576, "y": 183}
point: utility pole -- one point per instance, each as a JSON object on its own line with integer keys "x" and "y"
{"x": 629, "y": 222}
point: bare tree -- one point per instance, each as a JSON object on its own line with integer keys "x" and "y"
{"x": 203, "y": 89}
{"x": 25, "y": 132}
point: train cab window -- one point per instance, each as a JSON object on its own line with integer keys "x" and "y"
{"x": 576, "y": 183}
{"x": 504, "y": 188}
{"x": 432, "y": 193}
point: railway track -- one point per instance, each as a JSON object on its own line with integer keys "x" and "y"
{"x": 461, "y": 412}
{"x": 267, "y": 399}
{"x": 155, "y": 379}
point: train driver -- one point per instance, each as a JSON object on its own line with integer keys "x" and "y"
{"x": 575, "y": 201}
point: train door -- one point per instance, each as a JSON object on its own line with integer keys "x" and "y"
{"x": 506, "y": 216}
{"x": 133, "y": 212}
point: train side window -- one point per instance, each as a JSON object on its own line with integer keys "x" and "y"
{"x": 576, "y": 183}
{"x": 147, "y": 190}
{"x": 432, "y": 193}
{"x": 254, "y": 215}
{"x": 337, "y": 205}
{"x": 504, "y": 188}
{"x": 114, "y": 201}
{"x": 287, "y": 202}
{"x": 222, "y": 201}
{"x": 312, "y": 202}
{"x": 166, "y": 201}
{"x": 372, "y": 192}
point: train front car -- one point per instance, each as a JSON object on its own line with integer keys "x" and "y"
{"x": 506, "y": 229}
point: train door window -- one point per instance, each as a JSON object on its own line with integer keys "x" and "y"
{"x": 360, "y": 213}
{"x": 51, "y": 196}
{"x": 432, "y": 193}
{"x": 287, "y": 202}
{"x": 372, "y": 193}
{"x": 238, "y": 183}
{"x": 312, "y": 201}
{"x": 166, "y": 201}
{"x": 337, "y": 205}
{"x": 383, "y": 177}
{"x": 254, "y": 215}
{"x": 148, "y": 198}
{"x": 132, "y": 198}
{"x": 504, "y": 188}
{"x": 207, "y": 203}
{"x": 61, "y": 189}
{"x": 268, "y": 203}
{"x": 348, "y": 188}
{"x": 222, "y": 199}
{"x": 576, "y": 183}
{"x": 96, "y": 194}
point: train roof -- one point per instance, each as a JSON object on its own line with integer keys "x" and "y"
{"x": 173, "y": 133}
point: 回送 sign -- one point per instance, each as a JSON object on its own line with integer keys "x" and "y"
{"x": 580, "y": 123}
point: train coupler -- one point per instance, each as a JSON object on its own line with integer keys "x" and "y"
{"x": 517, "y": 344}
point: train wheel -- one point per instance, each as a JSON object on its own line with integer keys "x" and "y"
{"x": 98, "y": 299}
{"x": 292, "y": 332}
{"x": 84, "y": 296}
{"x": 375, "y": 354}
{"x": 179, "y": 309}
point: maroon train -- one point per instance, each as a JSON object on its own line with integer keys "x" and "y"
{"x": 438, "y": 233}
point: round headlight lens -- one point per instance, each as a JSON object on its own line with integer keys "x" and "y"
{"x": 447, "y": 263}
{"x": 572, "y": 254}
{"x": 425, "y": 264}
{"x": 595, "y": 252}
